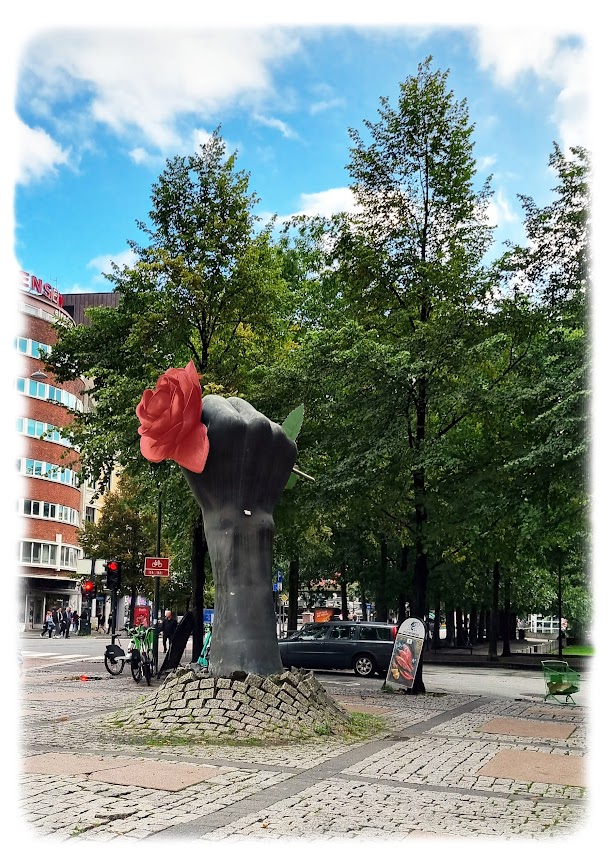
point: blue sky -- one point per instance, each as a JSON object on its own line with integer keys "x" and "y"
{"x": 100, "y": 108}
{"x": 96, "y": 96}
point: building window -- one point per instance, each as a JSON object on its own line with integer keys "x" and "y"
{"x": 31, "y": 552}
{"x": 47, "y": 471}
{"x": 38, "y": 313}
{"x": 48, "y": 510}
{"x": 68, "y": 557}
{"x": 31, "y": 348}
{"x": 39, "y": 390}
{"x": 43, "y": 431}
{"x": 90, "y": 514}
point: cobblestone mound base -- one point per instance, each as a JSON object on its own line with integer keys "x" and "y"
{"x": 192, "y": 702}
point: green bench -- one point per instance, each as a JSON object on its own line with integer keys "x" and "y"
{"x": 560, "y": 680}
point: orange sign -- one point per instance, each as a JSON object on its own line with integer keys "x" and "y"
{"x": 322, "y": 615}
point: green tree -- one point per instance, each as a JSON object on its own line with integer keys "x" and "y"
{"x": 126, "y": 531}
{"x": 207, "y": 286}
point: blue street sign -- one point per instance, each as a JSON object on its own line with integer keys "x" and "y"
{"x": 208, "y": 615}
{"x": 279, "y": 575}
{"x": 276, "y": 586}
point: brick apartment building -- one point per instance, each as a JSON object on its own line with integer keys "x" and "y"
{"x": 52, "y": 503}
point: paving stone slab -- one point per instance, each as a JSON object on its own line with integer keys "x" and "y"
{"x": 68, "y": 696}
{"x": 365, "y": 709}
{"x": 69, "y": 763}
{"x": 536, "y": 767}
{"x": 528, "y": 728}
{"x": 154, "y": 774}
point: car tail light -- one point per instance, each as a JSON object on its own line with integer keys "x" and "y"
{"x": 394, "y": 631}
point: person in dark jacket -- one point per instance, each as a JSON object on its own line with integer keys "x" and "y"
{"x": 169, "y": 626}
{"x": 66, "y": 622}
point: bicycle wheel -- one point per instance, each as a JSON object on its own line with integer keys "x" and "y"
{"x": 114, "y": 667}
{"x": 147, "y": 668}
{"x": 136, "y": 665}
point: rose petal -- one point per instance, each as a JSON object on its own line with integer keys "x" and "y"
{"x": 141, "y": 408}
{"x": 193, "y": 452}
{"x": 150, "y": 451}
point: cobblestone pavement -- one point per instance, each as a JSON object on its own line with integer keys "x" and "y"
{"x": 433, "y": 771}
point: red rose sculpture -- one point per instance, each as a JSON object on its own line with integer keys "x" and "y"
{"x": 170, "y": 417}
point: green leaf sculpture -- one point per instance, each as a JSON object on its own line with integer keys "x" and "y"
{"x": 292, "y": 426}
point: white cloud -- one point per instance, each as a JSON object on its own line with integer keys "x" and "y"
{"x": 484, "y": 163}
{"x": 326, "y": 105}
{"x": 102, "y": 264}
{"x": 326, "y": 203}
{"x": 38, "y": 154}
{"x": 145, "y": 82}
{"x": 500, "y": 212}
{"x": 275, "y": 123}
{"x": 553, "y": 58}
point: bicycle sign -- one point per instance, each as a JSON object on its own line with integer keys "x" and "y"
{"x": 157, "y": 566}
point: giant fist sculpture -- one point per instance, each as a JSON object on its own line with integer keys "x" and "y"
{"x": 247, "y": 460}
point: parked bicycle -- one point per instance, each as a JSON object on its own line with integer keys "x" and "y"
{"x": 141, "y": 660}
{"x": 139, "y": 653}
{"x": 115, "y": 656}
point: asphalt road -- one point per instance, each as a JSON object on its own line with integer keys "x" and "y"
{"x": 82, "y": 655}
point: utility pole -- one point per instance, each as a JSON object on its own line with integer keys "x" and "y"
{"x": 559, "y": 608}
{"x": 156, "y": 592}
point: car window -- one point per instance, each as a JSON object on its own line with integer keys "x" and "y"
{"x": 312, "y": 631}
{"x": 383, "y": 634}
{"x": 342, "y": 632}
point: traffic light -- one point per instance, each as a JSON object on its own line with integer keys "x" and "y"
{"x": 89, "y": 589}
{"x": 113, "y": 574}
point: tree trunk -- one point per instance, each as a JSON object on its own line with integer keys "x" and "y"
{"x": 381, "y": 591}
{"x": 402, "y": 597}
{"x": 132, "y": 604}
{"x": 459, "y": 639}
{"x": 294, "y": 586}
{"x": 363, "y": 602}
{"x": 449, "y": 627}
{"x": 436, "y": 633}
{"x": 481, "y": 626}
{"x": 198, "y": 575}
{"x": 344, "y": 604}
{"x": 472, "y": 625}
{"x": 493, "y": 629}
{"x": 506, "y": 618}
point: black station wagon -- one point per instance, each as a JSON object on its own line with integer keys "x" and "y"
{"x": 366, "y": 647}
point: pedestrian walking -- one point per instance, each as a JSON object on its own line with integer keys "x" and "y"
{"x": 75, "y": 621}
{"x": 169, "y": 626}
{"x": 49, "y": 625}
{"x": 56, "y": 622}
{"x": 110, "y": 627}
{"x": 100, "y": 625}
{"x": 66, "y": 622}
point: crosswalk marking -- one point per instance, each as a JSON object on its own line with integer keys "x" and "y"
{"x": 50, "y": 654}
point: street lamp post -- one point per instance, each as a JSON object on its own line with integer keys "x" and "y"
{"x": 156, "y": 591}
{"x": 559, "y": 609}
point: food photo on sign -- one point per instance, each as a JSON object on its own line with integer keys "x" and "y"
{"x": 407, "y": 651}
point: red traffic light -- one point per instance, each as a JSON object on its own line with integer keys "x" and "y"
{"x": 89, "y": 588}
{"x": 112, "y": 566}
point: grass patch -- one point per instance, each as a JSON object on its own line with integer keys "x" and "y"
{"x": 579, "y": 650}
{"x": 364, "y": 725}
{"x": 360, "y": 727}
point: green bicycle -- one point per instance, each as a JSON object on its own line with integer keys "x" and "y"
{"x": 141, "y": 658}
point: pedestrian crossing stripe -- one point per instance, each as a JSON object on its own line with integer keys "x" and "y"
{"x": 64, "y": 658}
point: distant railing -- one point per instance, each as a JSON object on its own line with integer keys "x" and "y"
{"x": 549, "y": 647}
